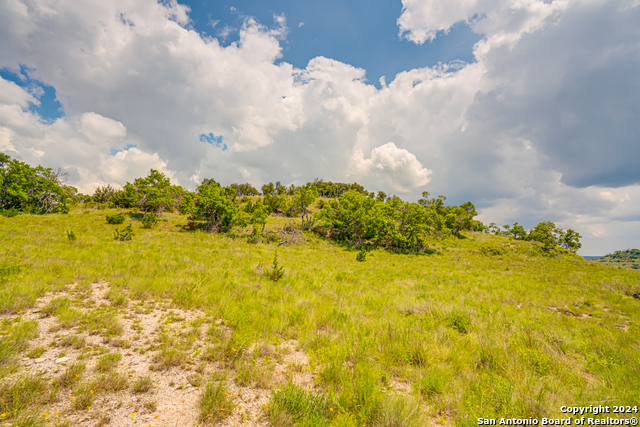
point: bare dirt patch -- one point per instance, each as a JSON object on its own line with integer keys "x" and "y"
{"x": 147, "y": 365}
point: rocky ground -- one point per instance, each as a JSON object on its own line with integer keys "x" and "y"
{"x": 148, "y": 362}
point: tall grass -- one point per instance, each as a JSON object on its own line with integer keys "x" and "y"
{"x": 482, "y": 325}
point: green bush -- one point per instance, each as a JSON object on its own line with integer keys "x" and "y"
{"x": 71, "y": 235}
{"x": 362, "y": 255}
{"x": 115, "y": 219}
{"x": 9, "y": 213}
{"x": 149, "y": 220}
{"x": 124, "y": 234}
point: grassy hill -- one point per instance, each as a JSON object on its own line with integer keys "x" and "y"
{"x": 629, "y": 258}
{"x": 483, "y": 327}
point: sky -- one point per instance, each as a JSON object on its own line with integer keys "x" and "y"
{"x": 527, "y": 108}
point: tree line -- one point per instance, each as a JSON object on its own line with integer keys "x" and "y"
{"x": 342, "y": 211}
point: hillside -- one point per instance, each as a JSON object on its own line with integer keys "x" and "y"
{"x": 629, "y": 258}
{"x": 179, "y": 327}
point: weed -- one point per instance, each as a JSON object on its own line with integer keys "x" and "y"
{"x": 71, "y": 236}
{"x": 14, "y": 340}
{"x": 250, "y": 372}
{"x": 102, "y": 321}
{"x": 103, "y": 420}
{"x": 70, "y": 377}
{"x": 111, "y": 382}
{"x": 459, "y": 321}
{"x": 399, "y": 411}
{"x": 150, "y": 405}
{"x": 115, "y": 219}
{"x": 292, "y": 405}
{"x": 75, "y": 341}
{"x": 149, "y": 220}
{"x": 195, "y": 380}
{"x": 20, "y": 397}
{"x": 215, "y": 403}
{"x": 83, "y": 397}
{"x": 431, "y": 384}
{"x": 142, "y": 384}
{"x": 108, "y": 362}
{"x": 36, "y": 352}
{"x": 170, "y": 353}
{"x": 125, "y": 234}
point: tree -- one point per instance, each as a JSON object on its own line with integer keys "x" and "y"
{"x": 304, "y": 197}
{"x": 355, "y": 217}
{"x": 37, "y": 190}
{"x": 103, "y": 194}
{"x": 213, "y": 205}
{"x": 571, "y": 240}
{"x": 545, "y": 233}
{"x": 244, "y": 189}
{"x": 154, "y": 193}
{"x": 457, "y": 218}
{"x": 259, "y": 212}
{"x": 518, "y": 232}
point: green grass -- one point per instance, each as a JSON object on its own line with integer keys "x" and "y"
{"x": 293, "y": 406}
{"x": 215, "y": 403}
{"x": 14, "y": 339}
{"x": 108, "y": 362}
{"x": 142, "y": 384}
{"x": 20, "y": 399}
{"x": 70, "y": 377}
{"x": 483, "y": 326}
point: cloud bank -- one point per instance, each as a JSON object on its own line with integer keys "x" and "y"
{"x": 542, "y": 126}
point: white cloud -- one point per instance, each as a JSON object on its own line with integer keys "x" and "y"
{"x": 548, "y": 109}
{"x": 503, "y": 22}
{"x": 396, "y": 165}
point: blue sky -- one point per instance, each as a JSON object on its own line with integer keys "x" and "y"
{"x": 361, "y": 33}
{"x": 49, "y": 108}
{"x": 535, "y": 120}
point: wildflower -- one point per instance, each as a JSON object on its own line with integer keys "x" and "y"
{"x": 46, "y": 414}
{"x": 156, "y": 417}
{"x": 133, "y": 415}
{"x": 91, "y": 391}
{"x": 89, "y": 408}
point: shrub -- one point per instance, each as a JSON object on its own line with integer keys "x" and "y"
{"x": 149, "y": 220}
{"x": 9, "y": 213}
{"x": 362, "y": 255}
{"x": 276, "y": 272}
{"x": 124, "y": 234}
{"x": 459, "y": 321}
{"x": 115, "y": 219}
{"x": 71, "y": 235}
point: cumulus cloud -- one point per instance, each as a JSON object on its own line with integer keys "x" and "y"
{"x": 541, "y": 126}
{"x": 396, "y": 165}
